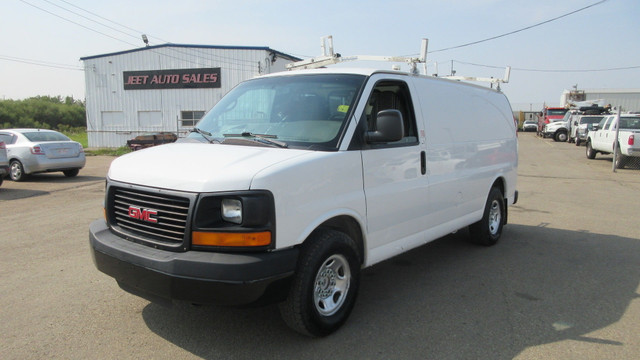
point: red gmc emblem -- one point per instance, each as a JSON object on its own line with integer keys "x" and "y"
{"x": 148, "y": 215}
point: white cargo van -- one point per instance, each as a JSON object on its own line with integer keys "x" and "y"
{"x": 295, "y": 181}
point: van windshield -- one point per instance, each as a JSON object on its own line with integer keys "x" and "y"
{"x": 306, "y": 111}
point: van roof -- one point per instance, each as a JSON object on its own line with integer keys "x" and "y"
{"x": 370, "y": 72}
{"x": 337, "y": 70}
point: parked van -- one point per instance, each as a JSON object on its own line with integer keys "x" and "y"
{"x": 296, "y": 181}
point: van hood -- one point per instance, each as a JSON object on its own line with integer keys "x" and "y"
{"x": 196, "y": 167}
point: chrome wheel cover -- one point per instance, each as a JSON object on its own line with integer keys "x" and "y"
{"x": 495, "y": 217}
{"x": 331, "y": 285}
{"x": 16, "y": 170}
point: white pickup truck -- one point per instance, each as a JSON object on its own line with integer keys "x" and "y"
{"x": 602, "y": 138}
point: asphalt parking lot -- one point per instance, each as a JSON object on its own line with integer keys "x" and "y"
{"x": 563, "y": 282}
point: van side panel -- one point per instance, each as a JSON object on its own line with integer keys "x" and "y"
{"x": 470, "y": 142}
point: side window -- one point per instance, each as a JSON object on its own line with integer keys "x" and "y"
{"x": 7, "y": 138}
{"x": 606, "y": 126}
{"x": 392, "y": 95}
{"x": 602, "y": 122}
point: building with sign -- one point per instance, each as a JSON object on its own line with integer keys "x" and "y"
{"x": 165, "y": 88}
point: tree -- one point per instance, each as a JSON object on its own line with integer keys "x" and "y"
{"x": 50, "y": 112}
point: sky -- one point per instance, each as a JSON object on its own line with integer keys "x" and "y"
{"x": 42, "y": 41}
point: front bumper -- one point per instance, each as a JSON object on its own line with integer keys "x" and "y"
{"x": 199, "y": 277}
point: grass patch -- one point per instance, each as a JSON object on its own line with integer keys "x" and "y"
{"x": 80, "y": 137}
{"x": 83, "y": 138}
{"x": 109, "y": 152}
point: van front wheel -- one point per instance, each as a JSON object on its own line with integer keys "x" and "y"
{"x": 487, "y": 231}
{"x": 325, "y": 286}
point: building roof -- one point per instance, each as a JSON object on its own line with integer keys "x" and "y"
{"x": 606, "y": 91}
{"x": 218, "y": 47}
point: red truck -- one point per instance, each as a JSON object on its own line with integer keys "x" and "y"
{"x": 550, "y": 114}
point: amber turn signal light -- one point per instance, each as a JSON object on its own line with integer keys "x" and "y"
{"x": 231, "y": 239}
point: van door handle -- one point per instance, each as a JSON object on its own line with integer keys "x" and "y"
{"x": 423, "y": 162}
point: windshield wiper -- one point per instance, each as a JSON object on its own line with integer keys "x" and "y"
{"x": 205, "y": 134}
{"x": 261, "y": 138}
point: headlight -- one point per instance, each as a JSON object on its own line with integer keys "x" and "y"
{"x": 238, "y": 220}
{"x": 232, "y": 211}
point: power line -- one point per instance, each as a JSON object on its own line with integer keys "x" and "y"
{"x": 552, "y": 70}
{"x": 103, "y": 18}
{"x": 519, "y": 30}
{"x": 40, "y": 63}
{"x": 139, "y": 32}
{"x": 75, "y": 23}
{"x": 237, "y": 64}
{"x": 231, "y": 62}
{"x": 85, "y": 17}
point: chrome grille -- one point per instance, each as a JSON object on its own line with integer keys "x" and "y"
{"x": 167, "y": 223}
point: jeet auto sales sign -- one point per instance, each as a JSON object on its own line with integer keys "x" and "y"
{"x": 172, "y": 79}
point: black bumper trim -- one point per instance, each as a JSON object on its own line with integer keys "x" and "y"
{"x": 193, "y": 276}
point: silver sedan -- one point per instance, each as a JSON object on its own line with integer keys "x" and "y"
{"x": 4, "y": 161}
{"x": 37, "y": 150}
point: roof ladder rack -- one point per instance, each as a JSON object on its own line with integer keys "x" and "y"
{"x": 329, "y": 57}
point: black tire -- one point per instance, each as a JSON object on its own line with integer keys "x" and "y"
{"x": 488, "y": 230}
{"x": 560, "y": 136}
{"x": 1, "y": 180}
{"x": 619, "y": 159}
{"x": 325, "y": 285}
{"x": 71, "y": 173}
{"x": 577, "y": 142}
{"x": 16, "y": 171}
{"x": 591, "y": 154}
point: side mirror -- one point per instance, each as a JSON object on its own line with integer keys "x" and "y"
{"x": 389, "y": 125}
{"x": 575, "y": 122}
{"x": 595, "y": 127}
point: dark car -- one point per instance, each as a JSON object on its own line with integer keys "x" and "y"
{"x": 152, "y": 139}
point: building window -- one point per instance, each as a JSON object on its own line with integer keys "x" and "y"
{"x": 150, "y": 118}
{"x": 112, "y": 119}
{"x": 190, "y": 118}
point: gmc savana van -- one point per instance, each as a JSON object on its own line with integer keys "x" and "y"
{"x": 296, "y": 181}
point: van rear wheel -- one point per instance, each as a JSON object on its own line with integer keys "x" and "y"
{"x": 325, "y": 285}
{"x": 488, "y": 230}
